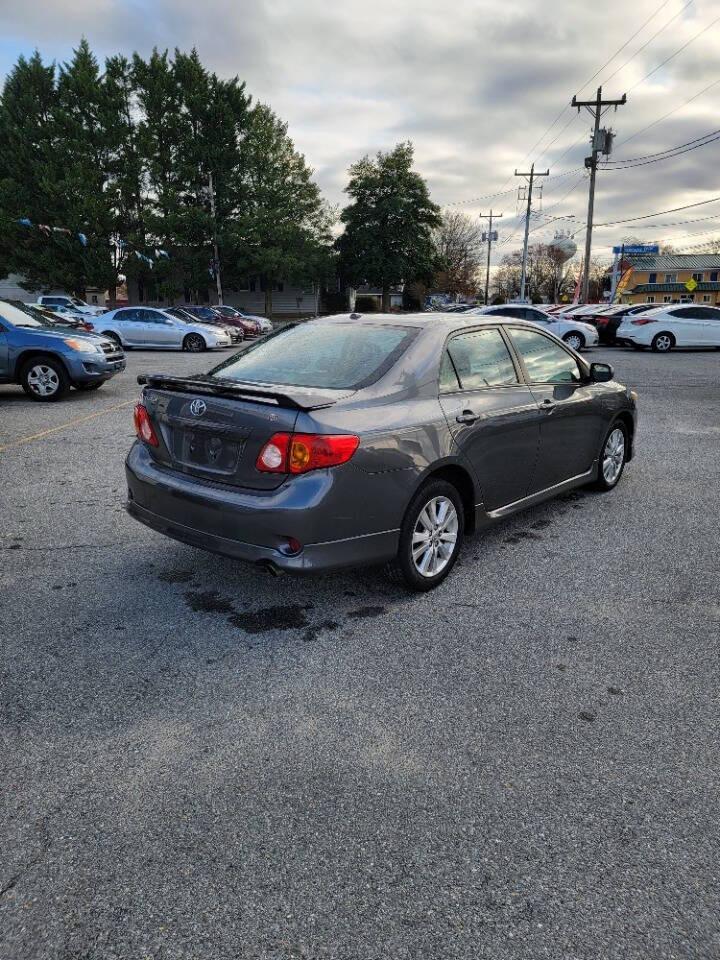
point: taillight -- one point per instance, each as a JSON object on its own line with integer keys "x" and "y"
{"x": 641, "y": 321}
{"x": 273, "y": 456}
{"x": 88, "y": 325}
{"x": 300, "y": 452}
{"x": 143, "y": 426}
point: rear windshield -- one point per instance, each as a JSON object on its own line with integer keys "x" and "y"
{"x": 338, "y": 356}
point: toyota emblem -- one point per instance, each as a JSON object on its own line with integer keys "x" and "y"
{"x": 198, "y": 408}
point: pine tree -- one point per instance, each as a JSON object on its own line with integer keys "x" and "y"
{"x": 284, "y": 225}
{"x": 29, "y": 164}
{"x": 125, "y": 184}
{"x": 388, "y": 224}
{"x": 82, "y": 120}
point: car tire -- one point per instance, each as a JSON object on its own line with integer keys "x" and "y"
{"x": 613, "y": 457}
{"x": 87, "y": 387}
{"x": 194, "y": 343}
{"x": 45, "y": 379}
{"x": 574, "y": 340}
{"x": 662, "y": 343}
{"x": 435, "y": 515}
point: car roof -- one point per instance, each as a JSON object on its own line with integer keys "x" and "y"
{"x": 449, "y": 321}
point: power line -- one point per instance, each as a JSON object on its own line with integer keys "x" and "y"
{"x": 673, "y": 55}
{"x": 658, "y": 213}
{"x": 648, "y": 42}
{"x": 668, "y": 114}
{"x": 659, "y": 153}
{"x": 620, "y": 49}
{"x": 669, "y": 155}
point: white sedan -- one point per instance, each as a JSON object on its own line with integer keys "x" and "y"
{"x": 575, "y": 333}
{"x": 673, "y": 325}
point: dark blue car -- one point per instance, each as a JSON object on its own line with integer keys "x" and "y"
{"x": 46, "y": 358}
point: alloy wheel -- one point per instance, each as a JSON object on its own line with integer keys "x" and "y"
{"x": 194, "y": 343}
{"x": 43, "y": 380}
{"x": 613, "y": 456}
{"x": 574, "y": 341}
{"x": 663, "y": 342}
{"x": 434, "y": 536}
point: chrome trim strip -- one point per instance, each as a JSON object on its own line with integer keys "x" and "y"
{"x": 360, "y": 536}
{"x": 501, "y": 511}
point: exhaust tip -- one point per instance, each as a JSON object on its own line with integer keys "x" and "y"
{"x": 267, "y": 566}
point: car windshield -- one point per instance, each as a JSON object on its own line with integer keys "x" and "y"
{"x": 338, "y": 356}
{"x": 21, "y": 316}
{"x": 79, "y": 303}
{"x": 203, "y": 312}
{"x": 180, "y": 315}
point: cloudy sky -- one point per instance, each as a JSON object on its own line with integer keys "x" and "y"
{"x": 478, "y": 86}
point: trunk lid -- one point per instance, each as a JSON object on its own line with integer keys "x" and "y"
{"x": 215, "y": 429}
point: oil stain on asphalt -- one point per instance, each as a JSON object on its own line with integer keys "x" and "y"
{"x": 208, "y": 601}
{"x": 291, "y": 616}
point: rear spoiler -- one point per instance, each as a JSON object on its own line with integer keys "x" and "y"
{"x": 227, "y": 388}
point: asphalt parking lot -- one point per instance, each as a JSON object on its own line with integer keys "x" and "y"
{"x": 200, "y": 761}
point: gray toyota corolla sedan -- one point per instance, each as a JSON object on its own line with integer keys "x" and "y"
{"x": 352, "y": 440}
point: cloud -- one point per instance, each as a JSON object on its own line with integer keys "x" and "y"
{"x": 473, "y": 84}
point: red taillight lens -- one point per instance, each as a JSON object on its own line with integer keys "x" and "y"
{"x": 641, "y": 321}
{"x": 143, "y": 426}
{"x": 300, "y": 452}
{"x": 88, "y": 325}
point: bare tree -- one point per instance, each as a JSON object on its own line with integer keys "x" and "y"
{"x": 459, "y": 244}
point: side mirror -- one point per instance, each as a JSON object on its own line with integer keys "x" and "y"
{"x": 601, "y": 372}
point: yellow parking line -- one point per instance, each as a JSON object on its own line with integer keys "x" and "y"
{"x": 64, "y": 426}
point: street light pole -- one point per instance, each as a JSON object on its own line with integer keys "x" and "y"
{"x": 218, "y": 281}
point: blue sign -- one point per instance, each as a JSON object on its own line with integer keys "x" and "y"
{"x": 640, "y": 248}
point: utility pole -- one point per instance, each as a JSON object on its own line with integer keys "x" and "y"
{"x": 218, "y": 281}
{"x": 490, "y": 238}
{"x": 601, "y": 143}
{"x": 531, "y": 176}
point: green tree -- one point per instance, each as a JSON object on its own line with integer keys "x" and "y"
{"x": 282, "y": 231}
{"x": 84, "y": 136}
{"x": 125, "y": 177}
{"x": 389, "y": 224}
{"x": 29, "y": 165}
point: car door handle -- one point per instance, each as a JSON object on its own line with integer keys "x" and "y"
{"x": 467, "y": 416}
{"x": 548, "y": 405}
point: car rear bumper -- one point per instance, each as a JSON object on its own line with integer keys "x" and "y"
{"x": 247, "y": 525}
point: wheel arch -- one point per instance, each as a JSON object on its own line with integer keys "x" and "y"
{"x": 460, "y": 477}
{"x": 627, "y": 421}
{"x": 32, "y": 353}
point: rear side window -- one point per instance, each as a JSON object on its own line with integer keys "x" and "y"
{"x": 545, "y": 361}
{"x": 338, "y": 356}
{"x": 481, "y": 359}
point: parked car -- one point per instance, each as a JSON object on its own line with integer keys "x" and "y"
{"x": 46, "y": 359}
{"x": 575, "y": 334}
{"x": 67, "y": 321}
{"x": 674, "y": 325}
{"x": 251, "y": 323}
{"x": 236, "y": 334}
{"x": 609, "y": 320}
{"x": 208, "y": 315}
{"x": 159, "y": 330}
{"x": 352, "y": 440}
{"x": 69, "y": 315}
{"x": 72, "y": 303}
